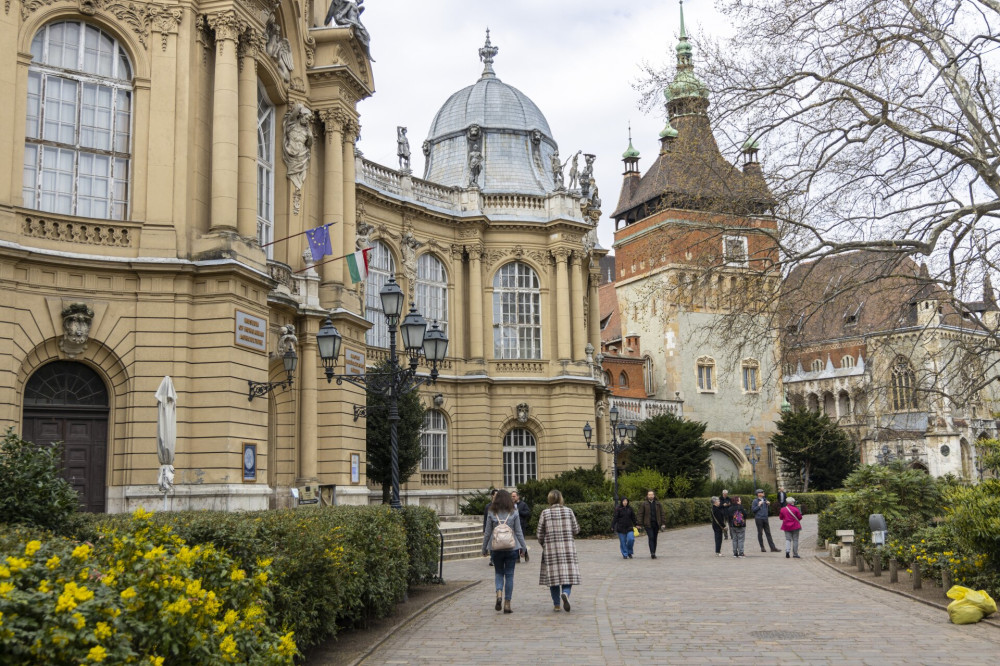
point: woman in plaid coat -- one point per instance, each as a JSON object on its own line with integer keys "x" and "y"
{"x": 560, "y": 567}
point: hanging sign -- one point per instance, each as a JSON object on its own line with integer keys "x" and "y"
{"x": 251, "y": 331}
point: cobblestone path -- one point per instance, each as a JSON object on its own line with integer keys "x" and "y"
{"x": 687, "y": 607}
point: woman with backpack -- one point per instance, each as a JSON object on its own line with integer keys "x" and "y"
{"x": 560, "y": 567}
{"x": 624, "y": 524}
{"x": 503, "y": 541}
{"x": 738, "y": 526}
{"x": 791, "y": 525}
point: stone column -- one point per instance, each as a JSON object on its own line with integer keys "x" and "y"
{"x": 246, "y": 212}
{"x": 476, "y": 297}
{"x": 594, "y": 318}
{"x": 456, "y": 305}
{"x": 308, "y": 440}
{"x": 563, "y": 339}
{"x": 350, "y": 203}
{"x": 225, "y": 122}
{"x": 333, "y": 192}
{"x": 579, "y": 334}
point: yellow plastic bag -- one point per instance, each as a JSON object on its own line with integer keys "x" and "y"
{"x": 969, "y": 606}
{"x": 635, "y": 531}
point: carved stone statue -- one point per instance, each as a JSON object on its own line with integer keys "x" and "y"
{"x": 287, "y": 340}
{"x": 589, "y": 242}
{"x": 403, "y": 149}
{"x": 426, "y": 148}
{"x": 280, "y": 50}
{"x": 347, "y": 13}
{"x": 595, "y": 201}
{"x": 587, "y": 177}
{"x": 296, "y": 145}
{"x": 522, "y": 412}
{"x": 76, "y": 319}
{"x": 574, "y": 171}
{"x": 363, "y": 235}
{"x": 475, "y": 165}
{"x": 408, "y": 247}
{"x": 557, "y": 171}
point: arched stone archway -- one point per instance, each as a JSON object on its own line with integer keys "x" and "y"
{"x": 726, "y": 461}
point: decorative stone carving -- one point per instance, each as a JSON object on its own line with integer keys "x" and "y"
{"x": 557, "y": 171}
{"x": 77, "y": 319}
{"x": 408, "y": 248}
{"x": 136, "y": 15}
{"x": 475, "y": 164}
{"x": 589, "y": 242}
{"x": 587, "y": 177}
{"x": 599, "y": 371}
{"x": 287, "y": 339}
{"x": 166, "y": 22}
{"x": 522, "y": 412}
{"x": 426, "y": 148}
{"x": 279, "y": 49}
{"x": 347, "y": 13}
{"x": 536, "y": 137}
{"x": 227, "y": 27}
{"x": 403, "y": 149}
{"x": 296, "y": 145}
{"x": 363, "y": 235}
{"x": 77, "y": 232}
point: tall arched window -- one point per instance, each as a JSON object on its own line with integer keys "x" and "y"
{"x": 77, "y": 144}
{"x": 622, "y": 380}
{"x": 517, "y": 312}
{"x": 380, "y": 266}
{"x": 751, "y": 375}
{"x": 847, "y": 361}
{"x": 903, "y": 385}
{"x": 706, "y": 374}
{"x": 518, "y": 457}
{"x": 432, "y": 290}
{"x": 265, "y": 170}
{"x": 434, "y": 442}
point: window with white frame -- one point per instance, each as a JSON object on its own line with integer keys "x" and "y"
{"x": 434, "y": 442}
{"x": 706, "y": 374}
{"x": 517, "y": 312}
{"x": 751, "y": 376}
{"x": 734, "y": 250}
{"x": 380, "y": 266}
{"x": 847, "y": 361}
{"x": 647, "y": 375}
{"x": 78, "y": 134}
{"x": 432, "y": 290}
{"x": 519, "y": 452}
{"x": 817, "y": 365}
{"x": 265, "y": 170}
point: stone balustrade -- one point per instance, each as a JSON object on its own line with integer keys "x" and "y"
{"x": 640, "y": 409}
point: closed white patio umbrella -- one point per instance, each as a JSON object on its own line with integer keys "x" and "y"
{"x": 166, "y": 435}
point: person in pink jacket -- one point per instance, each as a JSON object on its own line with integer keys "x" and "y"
{"x": 791, "y": 525}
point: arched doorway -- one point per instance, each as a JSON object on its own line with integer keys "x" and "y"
{"x": 723, "y": 463}
{"x": 67, "y": 402}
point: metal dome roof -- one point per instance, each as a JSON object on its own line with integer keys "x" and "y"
{"x": 491, "y": 104}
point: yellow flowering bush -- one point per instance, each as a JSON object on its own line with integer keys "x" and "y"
{"x": 138, "y": 594}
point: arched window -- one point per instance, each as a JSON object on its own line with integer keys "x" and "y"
{"x": 77, "y": 145}
{"x": 434, "y": 442}
{"x": 622, "y": 380}
{"x": 844, "y": 405}
{"x": 751, "y": 375}
{"x": 903, "y": 385}
{"x": 812, "y": 403}
{"x": 432, "y": 290}
{"x": 517, "y": 312}
{"x": 817, "y": 365}
{"x": 706, "y": 374}
{"x": 518, "y": 457}
{"x": 380, "y": 266}
{"x": 647, "y": 375}
{"x": 265, "y": 170}
{"x": 607, "y": 378}
{"x": 847, "y": 361}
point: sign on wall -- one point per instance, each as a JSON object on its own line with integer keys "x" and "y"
{"x": 354, "y": 362}
{"x": 355, "y": 468}
{"x": 249, "y": 462}
{"x": 251, "y": 331}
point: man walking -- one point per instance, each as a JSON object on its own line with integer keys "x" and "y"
{"x": 523, "y": 513}
{"x": 782, "y": 498}
{"x": 759, "y": 508}
{"x": 725, "y": 501}
{"x": 650, "y": 516}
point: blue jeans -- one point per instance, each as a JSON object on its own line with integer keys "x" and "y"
{"x": 626, "y": 541}
{"x": 554, "y": 591}
{"x": 503, "y": 570}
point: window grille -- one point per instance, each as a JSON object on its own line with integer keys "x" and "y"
{"x": 519, "y": 452}
{"x": 517, "y": 316}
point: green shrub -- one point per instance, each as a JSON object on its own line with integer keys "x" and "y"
{"x": 634, "y": 485}
{"x": 583, "y": 484}
{"x": 475, "y": 503}
{"x": 681, "y": 486}
{"x": 738, "y": 486}
{"x": 423, "y": 544}
{"x": 974, "y": 512}
{"x": 32, "y": 488}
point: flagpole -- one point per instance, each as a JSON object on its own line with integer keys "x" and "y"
{"x": 320, "y": 263}
{"x": 330, "y": 224}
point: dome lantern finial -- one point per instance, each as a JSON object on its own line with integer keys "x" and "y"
{"x": 631, "y": 155}
{"x": 486, "y": 54}
{"x": 683, "y": 45}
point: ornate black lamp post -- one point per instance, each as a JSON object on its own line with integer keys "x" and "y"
{"x": 259, "y": 389}
{"x": 622, "y": 437}
{"x": 397, "y": 380}
{"x": 753, "y": 455}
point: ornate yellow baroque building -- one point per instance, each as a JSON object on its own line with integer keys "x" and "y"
{"x": 150, "y": 156}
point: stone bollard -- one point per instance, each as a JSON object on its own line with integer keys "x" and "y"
{"x": 893, "y": 570}
{"x": 917, "y": 580}
{"x": 877, "y": 565}
{"x": 861, "y": 561}
{"x": 945, "y": 580}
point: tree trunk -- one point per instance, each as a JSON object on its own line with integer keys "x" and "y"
{"x": 805, "y": 479}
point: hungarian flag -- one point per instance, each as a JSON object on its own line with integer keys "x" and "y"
{"x": 319, "y": 242}
{"x": 357, "y": 264}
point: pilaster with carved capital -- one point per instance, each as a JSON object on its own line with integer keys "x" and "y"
{"x": 333, "y": 123}
{"x": 165, "y": 21}
{"x": 227, "y": 27}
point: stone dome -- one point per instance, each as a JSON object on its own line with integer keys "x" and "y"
{"x": 503, "y": 125}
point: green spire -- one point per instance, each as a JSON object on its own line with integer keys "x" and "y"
{"x": 685, "y": 83}
{"x": 631, "y": 152}
{"x": 668, "y": 131}
{"x": 683, "y": 45}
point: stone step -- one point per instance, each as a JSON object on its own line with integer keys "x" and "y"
{"x": 451, "y": 557}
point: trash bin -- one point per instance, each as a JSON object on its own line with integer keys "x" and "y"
{"x": 876, "y": 523}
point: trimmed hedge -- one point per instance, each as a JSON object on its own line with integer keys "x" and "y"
{"x": 379, "y": 551}
{"x": 594, "y": 518}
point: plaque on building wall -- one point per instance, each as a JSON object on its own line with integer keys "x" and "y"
{"x": 354, "y": 362}
{"x": 251, "y": 331}
{"x": 249, "y": 462}
{"x": 355, "y": 468}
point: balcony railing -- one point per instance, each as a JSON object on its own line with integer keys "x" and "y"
{"x": 640, "y": 409}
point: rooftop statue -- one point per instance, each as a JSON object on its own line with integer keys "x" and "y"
{"x": 475, "y": 165}
{"x": 347, "y": 13}
{"x": 574, "y": 170}
{"x": 402, "y": 149}
{"x": 557, "y": 171}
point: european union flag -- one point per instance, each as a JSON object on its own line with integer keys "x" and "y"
{"x": 319, "y": 242}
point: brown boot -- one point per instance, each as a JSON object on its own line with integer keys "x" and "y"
{"x": 506, "y": 606}
{"x": 499, "y": 599}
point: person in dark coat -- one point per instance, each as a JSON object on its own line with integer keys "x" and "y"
{"x": 759, "y": 508}
{"x": 624, "y": 523}
{"x": 560, "y": 565}
{"x": 725, "y": 501}
{"x": 523, "y": 512}
{"x": 649, "y": 514}
{"x": 718, "y": 524}
{"x": 782, "y": 497}
{"x": 737, "y": 518}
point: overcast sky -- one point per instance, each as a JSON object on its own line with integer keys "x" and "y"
{"x": 577, "y": 60}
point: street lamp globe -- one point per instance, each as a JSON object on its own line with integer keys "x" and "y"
{"x": 588, "y": 432}
{"x": 412, "y": 329}
{"x": 328, "y": 339}
{"x": 290, "y": 360}
{"x": 392, "y": 300}
{"x": 613, "y": 415}
{"x": 746, "y": 450}
{"x": 435, "y": 344}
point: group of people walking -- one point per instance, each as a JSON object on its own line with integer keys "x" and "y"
{"x": 730, "y": 517}
{"x": 503, "y": 542}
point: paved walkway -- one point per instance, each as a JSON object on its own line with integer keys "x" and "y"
{"x": 687, "y": 606}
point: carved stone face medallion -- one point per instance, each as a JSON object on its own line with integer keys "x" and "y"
{"x": 522, "y": 412}
{"x": 77, "y": 319}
